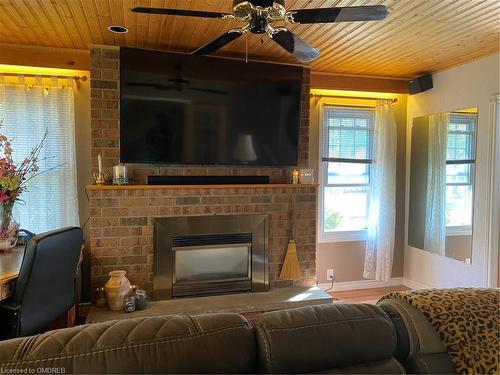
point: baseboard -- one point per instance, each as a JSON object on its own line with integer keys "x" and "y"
{"x": 414, "y": 284}
{"x": 363, "y": 284}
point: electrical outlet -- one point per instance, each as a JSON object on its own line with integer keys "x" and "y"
{"x": 329, "y": 274}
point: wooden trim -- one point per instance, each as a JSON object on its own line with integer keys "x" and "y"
{"x": 47, "y": 57}
{"x": 327, "y": 81}
{"x": 180, "y": 187}
{"x": 8, "y": 276}
{"x": 82, "y": 78}
{"x": 321, "y": 96}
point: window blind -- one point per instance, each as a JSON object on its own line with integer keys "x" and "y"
{"x": 347, "y": 133}
{"x": 51, "y": 199}
{"x": 461, "y": 140}
{"x": 460, "y": 151}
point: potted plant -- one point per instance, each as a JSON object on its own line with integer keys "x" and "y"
{"x": 13, "y": 180}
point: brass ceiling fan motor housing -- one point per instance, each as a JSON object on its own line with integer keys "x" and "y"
{"x": 245, "y": 9}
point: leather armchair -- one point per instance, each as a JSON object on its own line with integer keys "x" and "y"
{"x": 45, "y": 287}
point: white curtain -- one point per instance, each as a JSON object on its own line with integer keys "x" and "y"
{"x": 435, "y": 212}
{"x": 382, "y": 199}
{"x": 27, "y": 112}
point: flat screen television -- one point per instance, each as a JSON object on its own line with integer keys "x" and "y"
{"x": 183, "y": 109}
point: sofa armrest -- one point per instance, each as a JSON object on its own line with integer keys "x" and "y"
{"x": 437, "y": 363}
{"x": 422, "y": 336}
{"x": 403, "y": 339}
{"x": 419, "y": 349}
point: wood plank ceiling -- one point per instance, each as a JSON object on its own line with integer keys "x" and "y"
{"x": 418, "y": 36}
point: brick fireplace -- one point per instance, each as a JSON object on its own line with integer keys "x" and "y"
{"x": 122, "y": 218}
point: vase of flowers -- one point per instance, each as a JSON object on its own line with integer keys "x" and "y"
{"x": 9, "y": 228}
{"x": 13, "y": 180}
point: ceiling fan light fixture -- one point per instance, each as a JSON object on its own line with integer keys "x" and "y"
{"x": 260, "y": 17}
{"x": 118, "y": 29}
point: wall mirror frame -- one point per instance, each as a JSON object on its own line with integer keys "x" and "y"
{"x": 442, "y": 179}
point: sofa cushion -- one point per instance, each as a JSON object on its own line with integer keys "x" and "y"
{"x": 322, "y": 337}
{"x": 215, "y": 343}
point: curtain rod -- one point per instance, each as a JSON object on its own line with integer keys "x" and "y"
{"x": 319, "y": 96}
{"x": 76, "y": 78}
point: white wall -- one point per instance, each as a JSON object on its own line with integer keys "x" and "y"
{"x": 470, "y": 85}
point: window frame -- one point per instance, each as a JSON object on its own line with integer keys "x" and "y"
{"x": 460, "y": 230}
{"x": 337, "y": 236}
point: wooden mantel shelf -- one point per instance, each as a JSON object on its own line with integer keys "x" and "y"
{"x": 177, "y": 187}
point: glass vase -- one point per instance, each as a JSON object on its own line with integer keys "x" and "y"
{"x": 9, "y": 228}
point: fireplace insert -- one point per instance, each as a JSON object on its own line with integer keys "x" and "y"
{"x": 203, "y": 255}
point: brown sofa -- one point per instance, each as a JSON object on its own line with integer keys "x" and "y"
{"x": 333, "y": 338}
{"x": 419, "y": 348}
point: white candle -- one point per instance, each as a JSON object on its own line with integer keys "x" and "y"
{"x": 99, "y": 163}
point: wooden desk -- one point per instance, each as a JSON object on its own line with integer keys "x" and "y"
{"x": 10, "y": 264}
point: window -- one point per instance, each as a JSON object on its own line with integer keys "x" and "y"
{"x": 51, "y": 199}
{"x": 460, "y": 161}
{"x": 347, "y": 134}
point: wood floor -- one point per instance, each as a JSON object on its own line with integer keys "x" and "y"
{"x": 371, "y": 295}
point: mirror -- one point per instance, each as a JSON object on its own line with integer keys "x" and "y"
{"x": 442, "y": 170}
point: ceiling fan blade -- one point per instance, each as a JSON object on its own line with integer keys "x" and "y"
{"x": 217, "y": 43}
{"x": 296, "y": 46}
{"x": 156, "y": 86}
{"x": 340, "y": 14}
{"x": 179, "y": 12}
{"x": 140, "y": 84}
{"x": 210, "y": 91}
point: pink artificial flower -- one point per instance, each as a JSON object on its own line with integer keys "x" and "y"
{"x": 4, "y": 197}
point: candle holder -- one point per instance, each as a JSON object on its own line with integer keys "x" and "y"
{"x": 100, "y": 178}
{"x": 295, "y": 177}
{"x": 120, "y": 175}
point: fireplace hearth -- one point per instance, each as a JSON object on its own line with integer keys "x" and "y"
{"x": 206, "y": 255}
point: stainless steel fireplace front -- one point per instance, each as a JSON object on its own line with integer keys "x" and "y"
{"x": 200, "y": 255}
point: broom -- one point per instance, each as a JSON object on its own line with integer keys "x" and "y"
{"x": 291, "y": 268}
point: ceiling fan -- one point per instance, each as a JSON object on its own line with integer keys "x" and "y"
{"x": 260, "y": 15}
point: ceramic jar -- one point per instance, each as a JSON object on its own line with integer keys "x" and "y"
{"x": 117, "y": 288}
{"x": 141, "y": 301}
